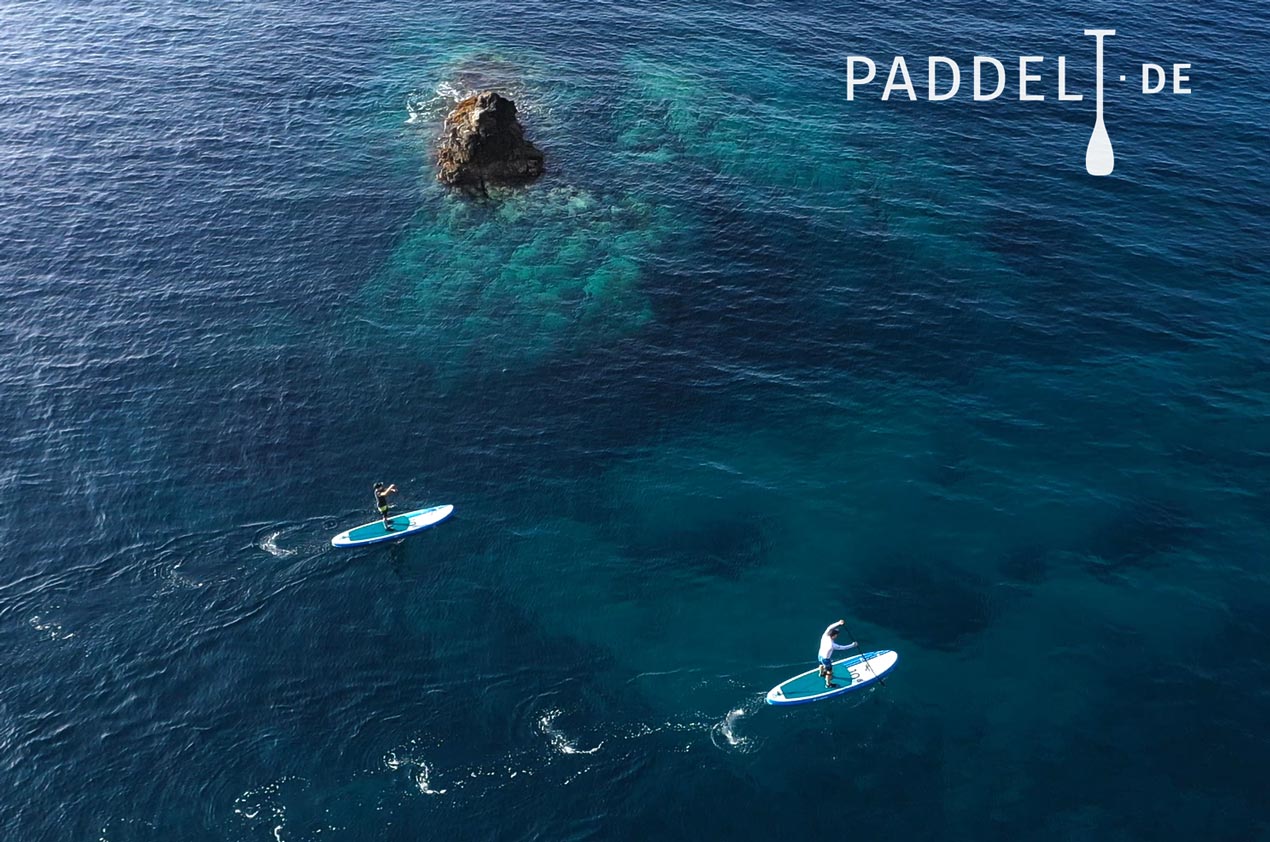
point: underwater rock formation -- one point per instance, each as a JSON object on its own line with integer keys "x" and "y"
{"x": 483, "y": 144}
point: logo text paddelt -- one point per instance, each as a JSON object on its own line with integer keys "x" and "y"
{"x": 986, "y": 77}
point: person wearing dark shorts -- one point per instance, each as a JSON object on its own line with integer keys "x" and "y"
{"x": 381, "y": 502}
{"x": 828, "y": 645}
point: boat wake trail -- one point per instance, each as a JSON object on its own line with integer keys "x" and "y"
{"x": 566, "y": 756}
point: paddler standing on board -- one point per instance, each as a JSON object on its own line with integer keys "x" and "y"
{"x": 381, "y": 502}
{"x": 828, "y": 645}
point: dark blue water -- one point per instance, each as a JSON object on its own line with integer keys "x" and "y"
{"x": 749, "y": 359}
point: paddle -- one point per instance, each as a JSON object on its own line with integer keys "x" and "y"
{"x": 863, "y": 657}
{"x": 1100, "y": 159}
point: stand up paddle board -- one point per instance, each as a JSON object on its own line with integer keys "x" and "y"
{"x": 402, "y": 525}
{"x": 849, "y": 674}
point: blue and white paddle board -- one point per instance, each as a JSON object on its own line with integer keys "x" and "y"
{"x": 402, "y": 525}
{"x": 849, "y": 674}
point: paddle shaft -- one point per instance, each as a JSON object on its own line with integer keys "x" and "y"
{"x": 863, "y": 656}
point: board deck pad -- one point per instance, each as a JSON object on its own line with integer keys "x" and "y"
{"x": 402, "y": 525}
{"x": 849, "y": 674}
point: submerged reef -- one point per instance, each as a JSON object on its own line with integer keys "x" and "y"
{"x": 656, "y": 169}
{"x": 527, "y": 276}
{"x": 490, "y": 284}
{"x": 483, "y": 144}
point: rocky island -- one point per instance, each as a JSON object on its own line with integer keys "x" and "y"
{"x": 483, "y": 145}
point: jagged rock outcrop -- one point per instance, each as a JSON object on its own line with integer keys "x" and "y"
{"x": 483, "y": 144}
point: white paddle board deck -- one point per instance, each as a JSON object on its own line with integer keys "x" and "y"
{"x": 849, "y": 674}
{"x": 402, "y": 525}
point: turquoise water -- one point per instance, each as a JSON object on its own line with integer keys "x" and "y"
{"x": 750, "y": 358}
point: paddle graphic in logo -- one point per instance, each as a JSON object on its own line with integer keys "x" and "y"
{"x": 1100, "y": 158}
{"x": 944, "y": 81}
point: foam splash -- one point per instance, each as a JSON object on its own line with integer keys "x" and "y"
{"x": 270, "y": 545}
{"x": 724, "y": 733}
{"x": 407, "y": 758}
{"x": 448, "y": 91}
{"x": 432, "y": 106}
{"x": 466, "y": 72}
{"x": 423, "y": 780}
{"x": 558, "y": 741}
{"x": 130, "y": 828}
{"x": 50, "y": 628}
{"x": 262, "y": 806}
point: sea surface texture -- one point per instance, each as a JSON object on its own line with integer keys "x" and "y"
{"x": 750, "y": 358}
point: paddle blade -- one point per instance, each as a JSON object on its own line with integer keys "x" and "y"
{"x": 1099, "y": 157}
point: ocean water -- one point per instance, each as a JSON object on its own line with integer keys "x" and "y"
{"x": 750, "y": 358}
